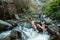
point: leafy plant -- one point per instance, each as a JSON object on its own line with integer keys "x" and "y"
{"x": 53, "y": 9}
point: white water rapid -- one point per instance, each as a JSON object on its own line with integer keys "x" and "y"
{"x": 27, "y": 32}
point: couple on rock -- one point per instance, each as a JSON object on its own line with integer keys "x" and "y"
{"x": 41, "y": 24}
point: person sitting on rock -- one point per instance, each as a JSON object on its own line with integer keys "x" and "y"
{"x": 42, "y": 21}
{"x": 32, "y": 21}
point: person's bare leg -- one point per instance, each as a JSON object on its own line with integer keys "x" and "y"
{"x": 39, "y": 25}
{"x": 36, "y": 28}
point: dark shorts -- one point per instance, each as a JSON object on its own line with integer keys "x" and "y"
{"x": 39, "y": 29}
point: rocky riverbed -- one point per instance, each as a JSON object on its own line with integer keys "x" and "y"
{"x": 15, "y": 30}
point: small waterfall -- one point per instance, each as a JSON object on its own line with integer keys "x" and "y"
{"x": 28, "y": 33}
{"x": 4, "y": 34}
{"x": 38, "y": 2}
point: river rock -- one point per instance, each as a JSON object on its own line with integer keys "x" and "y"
{"x": 48, "y": 20}
{"x": 5, "y": 23}
{"x": 5, "y": 26}
{"x": 54, "y": 32}
{"x": 15, "y": 35}
{"x": 13, "y": 22}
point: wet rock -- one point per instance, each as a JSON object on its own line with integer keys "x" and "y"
{"x": 14, "y": 23}
{"x": 58, "y": 25}
{"x": 5, "y": 26}
{"x": 54, "y": 32}
{"x": 5, "y": 23}
{"x": 54, "y": 37}
{"x": 15, "y": 35}
{"x": 17, "y": 17}
{"x": 48, "y": 20}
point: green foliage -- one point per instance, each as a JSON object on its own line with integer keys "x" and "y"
{"x": 53, "y": 9}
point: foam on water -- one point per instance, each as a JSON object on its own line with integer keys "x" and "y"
{"x": 4, "y": 34}
{"x": 27, "y": 33}
{"x": 30, "y": 34}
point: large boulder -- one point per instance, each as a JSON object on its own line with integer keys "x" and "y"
{"x": 4, "y": 26}
{"x": 48, "y": 20}
{"x": 7, "y": 25}
{"x": 53, "y": 31}
{"x": 11, "y": 35}
{"x": 15, "y": 35}
{"x": 14, "y": 23}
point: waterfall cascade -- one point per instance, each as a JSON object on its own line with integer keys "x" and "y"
{"x": 28, "y": 33}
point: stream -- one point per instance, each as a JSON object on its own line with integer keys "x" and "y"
{"x": 27, "y": 32}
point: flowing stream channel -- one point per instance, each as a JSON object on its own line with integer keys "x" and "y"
{"x": 27, "y": 32}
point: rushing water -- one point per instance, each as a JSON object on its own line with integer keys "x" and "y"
{"x": 38, "y": 2}
{"x": 28, "y": 32}
{"x": 4, "y": 34}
